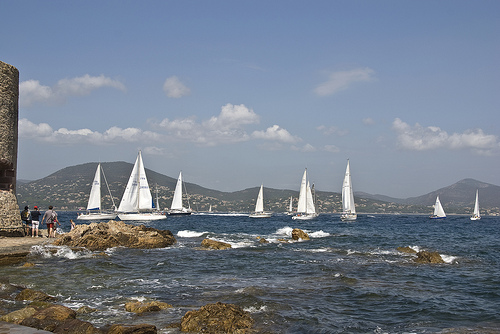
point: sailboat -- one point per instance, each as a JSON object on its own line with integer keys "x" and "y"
{"x": 290, "y": 207}
{"x": 305, "y": 207}
{"x": 176, "y": 208}
{"x": 259, "y": 206}
{"x": 94, "y": 211}
{"x": 476, "y": 215}
{"x": 137, "y": 202}
{"x": 438, "y": 210}
{"x": 348, "y": 207}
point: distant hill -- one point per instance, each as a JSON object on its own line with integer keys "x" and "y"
{"x": 68, "y": 189}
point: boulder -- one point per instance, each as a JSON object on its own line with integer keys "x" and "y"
{"x": 217, "y": 318}
{"x": 76, "y": 326}
{"x": 101, "y": 236}
{"x": 406, "y": 250}
{"x": 140, "y": 307}
{"x": 213, "y": 244}
{"x": 299, "y": 234}
{"x": 49, "y": 318}
{"x": 34, "y": 295}
{"x": 18, "y": 316}
{"x": 429, "y": 257}
{"x": 86, "y": 310}
{"x": 132, "y": 329}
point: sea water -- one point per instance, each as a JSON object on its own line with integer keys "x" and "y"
{"x": 349, "y": 278}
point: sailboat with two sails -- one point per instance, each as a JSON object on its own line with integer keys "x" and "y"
{"x": 348, "y": 207}
{"x": 94, "y": 209}
{"x": 476, "y": 215}
{"x": 176, "y": 208}
{"x": 305, "y": 208}
{"x": 137, "y": 202}
{"x": 438, "y": 210}
{"x": 259, "y": 206}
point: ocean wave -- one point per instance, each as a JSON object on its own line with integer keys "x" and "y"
{"x": 190, "y": 234}
{"x": 254, "y": 309}
{"x": 319, "y": 234}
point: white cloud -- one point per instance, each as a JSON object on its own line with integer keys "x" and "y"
{"x": 275, "y": 133}
{"x": 174, "y": 88}
{"x": 330, "y": 130}
{"x": 45, "y": 133}
{"x": 343, "y": 79}
{"x": 227, "y": 127}
{"x": 421, "y": 138}
{"x": 331, "y": 148}
{"x": 32, "y": 92}
{"x": 305, "y": 148}
{"x": 368, "y": 121}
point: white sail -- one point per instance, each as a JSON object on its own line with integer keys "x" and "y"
{"x": 94, "y": 204}
{"x": 95, "y": 192}
{"x": 176, "y": 208}
{"x": 305, "y": 207}
{"x": 476, "y": 214}
{"x": 177, "y": 200}
{"x": 348, "y": 207}
{"x": 438, "y": 209}
{"x": 259, "y": 206}
{"x": 137, "y": 196}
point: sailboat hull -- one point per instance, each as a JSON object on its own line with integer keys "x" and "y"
{"x": 96, "y": 216}
{"x": 142, "y": 216}
{"x": 179, "y": 212}
{"x": 348, "y": 217}
{"x": 475, "y": 218}
{"x": 304, "y": 216}
{"x": 437, "y": 217}
{"x": 260, "y": 215}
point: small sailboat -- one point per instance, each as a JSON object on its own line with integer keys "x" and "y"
{"x": 438, "y": 210}
{"x": 305, "y": 207}
{"x": 476, "y": 215}
{"x": 290, "y": 207}
{"x": 94, "y": 211}
{"x": 348, "y": 207}
{"x": 259, "y": 206}
{"x": 176, "y": 208}
{"x": 137, "y": 202}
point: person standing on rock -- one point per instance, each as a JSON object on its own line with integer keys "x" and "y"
{"x": 26, "y": 218}
{"x": 50, "y": 218}
{"x": 35, "y": 221}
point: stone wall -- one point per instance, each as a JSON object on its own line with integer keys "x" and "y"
{"x": 10, "y": 218}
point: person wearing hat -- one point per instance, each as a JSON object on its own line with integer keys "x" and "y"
{"x": 35, "y": 221}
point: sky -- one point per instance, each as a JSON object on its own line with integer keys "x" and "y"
{"x": 242, "y": 93}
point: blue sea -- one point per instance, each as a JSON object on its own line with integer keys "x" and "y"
{"x": 349, "y": 278}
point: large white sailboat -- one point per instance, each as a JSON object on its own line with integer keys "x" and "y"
{"x": 476, "y": 215}
{"x": 176, "y": 208}
{"x": 305, "y": 207}
{"x": 259, "y": 206}
{"x": 348, "y": 207}
{"x": 290, "y": 207}
{"x": 94, "y": 210}
{"x": 137, "y": 202}
{"x": 438, "y": 210}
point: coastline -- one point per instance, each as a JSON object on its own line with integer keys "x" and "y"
{"x": 16, "y": 249}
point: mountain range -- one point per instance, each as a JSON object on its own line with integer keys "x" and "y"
{"x": 68, "y": 189}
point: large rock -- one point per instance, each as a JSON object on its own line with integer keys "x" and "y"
{"x": 76, "y": 326}
{"x": 18, "y": 316}
{"x": 217, "y": 318}
{"x": 429, "y": 257}
{"x": 132, "y": 329}
{"x": 140, "y": 307}
{"x": 213, "y": 244}
{"x": 34, "y": 295}
{"x": 49, "y": 318}
{"x": 407, "y": 250}
{"x": 101, "y": 236}
{"x": 297, "y": 234}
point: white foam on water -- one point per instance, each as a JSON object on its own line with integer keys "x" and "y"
{"x": 319, "y": 234}
{"x": 253, "y": 309}
{"x": 287, "y": 231}
{"x": 319, "y": 250}
{"x": 190, "y": 234}
{"x": 448, "y": 258}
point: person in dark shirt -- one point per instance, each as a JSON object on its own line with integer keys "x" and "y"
{"x": 35, "y": 221}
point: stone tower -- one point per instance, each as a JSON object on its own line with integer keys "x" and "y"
{"x": 10, "y": 219}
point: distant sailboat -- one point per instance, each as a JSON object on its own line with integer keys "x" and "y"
{"x": 305, "y": 207}
{"x": 176, "y": 208}
{"x": 476, "y": 215}
{"x": 348, "y": 207}
{"x": 259, "y": 206}
{"x": 94, "y": 211}
{"x": 290, "y": 207}
{"x": 137, "y": 202}
{"x": 438, "y": 210}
